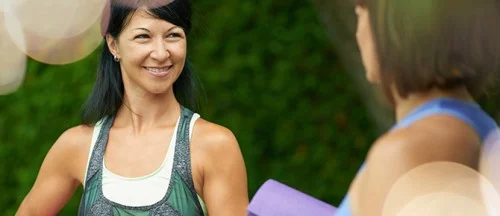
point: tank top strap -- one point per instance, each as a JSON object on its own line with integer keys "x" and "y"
{"x": 182, "y": 156}
{"x": 469, "y": 112}
{"x": 97, "y": 154}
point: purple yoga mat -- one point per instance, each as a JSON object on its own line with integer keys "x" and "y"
{"x": 276, "y": 199}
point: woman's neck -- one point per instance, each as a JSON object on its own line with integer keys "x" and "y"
{"x": 403, "y": 106}
{"x": 143, "y": 111}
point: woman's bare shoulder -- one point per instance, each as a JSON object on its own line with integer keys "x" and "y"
{"x": 434, "y": 138}
{"x": 210, "y": 135}
{"x": 75, "y": 139}
{"x": 72, "y": 149}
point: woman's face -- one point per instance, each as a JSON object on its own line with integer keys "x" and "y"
{"x": 364, "y": 37}
{"x": 152, "y": 53}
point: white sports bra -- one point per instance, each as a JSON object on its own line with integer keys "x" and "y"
{"x": 144, "y": 190}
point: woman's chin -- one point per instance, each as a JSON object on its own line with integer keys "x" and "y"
{"x": 158, "y": 91}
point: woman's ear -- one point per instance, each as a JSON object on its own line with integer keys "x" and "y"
{"x": 112, "y": 45}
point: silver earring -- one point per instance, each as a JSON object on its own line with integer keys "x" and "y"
{"x": 116, "y": 59}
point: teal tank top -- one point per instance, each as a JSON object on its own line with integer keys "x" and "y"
{"x": 469, "y": 112}
{"x": 180, "y": 199}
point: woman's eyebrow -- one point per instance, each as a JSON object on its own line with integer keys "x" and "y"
{"x": 145, "y": 29}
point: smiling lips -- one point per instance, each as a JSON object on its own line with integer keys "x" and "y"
{"x": 159, "y": 71}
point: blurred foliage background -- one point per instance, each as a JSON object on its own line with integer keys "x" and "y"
{"x": 272, "y": 73}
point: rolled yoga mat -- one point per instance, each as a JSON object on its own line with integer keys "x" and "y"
{"x": 276, "y": 199}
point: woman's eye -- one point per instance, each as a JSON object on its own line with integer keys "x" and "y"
{"x": 142, "y": 36}
{"x": 173, "y": 35}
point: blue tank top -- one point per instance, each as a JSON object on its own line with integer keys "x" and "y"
{"x": 469, "y": 112}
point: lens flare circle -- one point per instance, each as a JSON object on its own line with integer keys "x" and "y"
{"x": 62, "y": 32}
{"x": 135, "y": 4}
{"x": 442, "y": 188}
{"x": 12, "y": 60}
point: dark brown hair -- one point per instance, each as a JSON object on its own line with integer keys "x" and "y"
{"x": 424, "y": 44}
{"x": 107, "y": 95}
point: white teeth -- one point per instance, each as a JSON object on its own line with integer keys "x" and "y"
{"x": 157, "y": 70}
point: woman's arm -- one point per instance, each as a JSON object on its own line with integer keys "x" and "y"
{"x": 225, "y": 189}
{"x": 58, "y": 177}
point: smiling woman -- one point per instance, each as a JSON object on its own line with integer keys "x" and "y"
{"x": 141, "y": 149}
{"x": 150, "y": 49}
